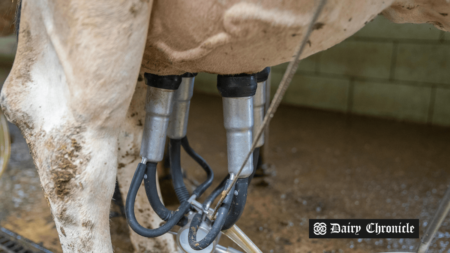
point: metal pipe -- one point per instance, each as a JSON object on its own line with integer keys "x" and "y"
{"x": 259, "y": 102}
{"x": 222, "y": 249}
{"x": 180, "y": 113}
{"x": 265, "y": 149}
{"x": 241, "y": 239}
{"x": 439, "y": 216}
{"x": 158, "y": 108}
{"x": 238, "y": 121}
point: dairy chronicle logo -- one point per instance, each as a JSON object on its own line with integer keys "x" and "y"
{"x": 320, "y": 228}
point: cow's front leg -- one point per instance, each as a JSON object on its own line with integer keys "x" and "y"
{"x": 69, "y": 90}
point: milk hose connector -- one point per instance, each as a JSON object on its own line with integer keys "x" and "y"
{"x": 237, "y": 97}
{"x": 167, "y": 111}
{"x": 158, "y": 107}
{"x": 177, "y": 134}
{"x": 238, "y": 204}
{"x": 161, "y": 93}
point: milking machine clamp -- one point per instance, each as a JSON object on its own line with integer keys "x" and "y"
{"x": 171, "y": 82}
{"x": 242, "y": 85}
{"x": 263, "y": 75}
{"x": 168, "y": 116}
{"x": 188, "y": 74}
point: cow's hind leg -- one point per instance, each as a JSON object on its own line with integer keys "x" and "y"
{"x": 69, "y": 90}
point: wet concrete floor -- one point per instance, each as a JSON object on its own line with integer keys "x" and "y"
{"x": 320, "y": 165}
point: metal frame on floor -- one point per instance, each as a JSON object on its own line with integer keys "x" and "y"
{"x": 11, "y": 242}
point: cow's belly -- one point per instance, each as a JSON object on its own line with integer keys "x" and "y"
{"x": 232, "y": 36}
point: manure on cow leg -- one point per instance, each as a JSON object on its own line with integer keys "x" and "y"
{"x": 63, "y": 232}
{"x": 318, "y": 26}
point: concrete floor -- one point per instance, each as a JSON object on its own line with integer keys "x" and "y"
{"x": 321, "y": 165}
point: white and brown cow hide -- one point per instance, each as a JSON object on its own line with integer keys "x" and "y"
{"x": 73, "y": 90}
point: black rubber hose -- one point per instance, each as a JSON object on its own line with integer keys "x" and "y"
{"x": 216, "y": 192}
{"x": 153, "y": 197}
{"x": 152, "y": 193}
{"x": 210, "y": 199}
{"x": 238, "y": 203}
{"x": 175, "y": 169}
{"x": 129, "y": 207}
{"x": 255, "y": 164}
{"x": 209, "y": 173}
{"x": 216, "y": 227}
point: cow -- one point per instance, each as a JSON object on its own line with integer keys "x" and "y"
{"x": 76, "y": 89}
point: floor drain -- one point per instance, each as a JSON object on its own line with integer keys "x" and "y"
{"x": 11, "y": 242}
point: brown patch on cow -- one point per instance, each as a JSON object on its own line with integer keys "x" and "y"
{"x": 61, "y": 180}
{"x": 86, "y": 237}
{"x": 62, "y": 231}
{"x": 133, "y": 10}
{"x": 66, "y": 168}
{"x": 70, "y": 246}
{"x": 121, "y": 165}
{"x": 88, "y": 224}
{"x": 76, "y": 146}
{"x": 318, "y": 26}
{"x": 443, "y": 14}
{"x": 64, "y": 218}
{"x": 85, "y": 243}
{"x": 66, "y": 160}
{"x": 46, "y": 198}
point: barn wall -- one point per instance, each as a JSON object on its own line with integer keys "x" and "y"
{"x": 7, "y": 52}
{"x": 397, "y": 71}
